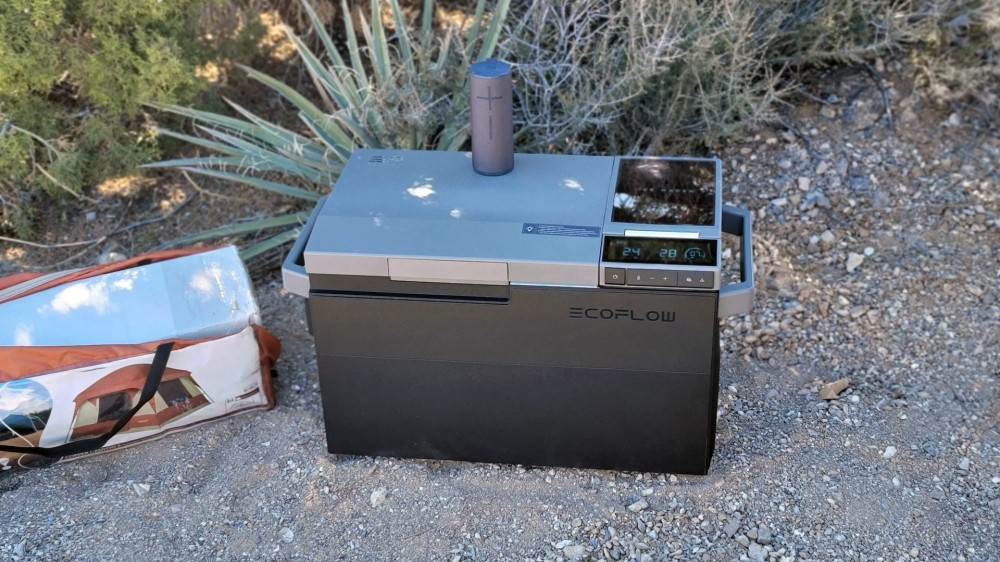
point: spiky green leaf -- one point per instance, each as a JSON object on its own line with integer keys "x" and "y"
{"x": 271, "y": 243}
{"x": 240, "y": 228}
{"x": 266, "y": 185}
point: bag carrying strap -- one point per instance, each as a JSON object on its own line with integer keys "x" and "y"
{"x": 149, "y": 389}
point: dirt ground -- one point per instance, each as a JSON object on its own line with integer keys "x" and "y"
{"x": 878, "y": 260}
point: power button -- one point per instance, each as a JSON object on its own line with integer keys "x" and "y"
{"x": 614, "y": 276}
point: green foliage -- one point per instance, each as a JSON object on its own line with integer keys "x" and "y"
{"x": 74, "y": 74}
{"x": 612, "y": 76}
{"x": 398, "y": 88}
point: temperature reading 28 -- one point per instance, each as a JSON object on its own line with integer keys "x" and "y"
{"x": 668, "y": 253}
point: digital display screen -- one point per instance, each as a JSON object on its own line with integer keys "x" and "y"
{"x": 659, "y": 250}
{"x": 657, "y": 191}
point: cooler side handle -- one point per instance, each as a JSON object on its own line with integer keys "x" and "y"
{"x": 737, "y": 298}
{"x": 293, "y": 270}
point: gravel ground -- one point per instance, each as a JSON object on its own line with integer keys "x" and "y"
{"x": 878, "y": 236}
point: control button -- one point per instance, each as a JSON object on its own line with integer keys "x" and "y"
{"x": 696, "y": 279}
{"x": 652, "y": 277}
{"x": 614, "y": 276}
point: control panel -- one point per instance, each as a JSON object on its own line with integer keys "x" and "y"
{"x": 659, "y": 278}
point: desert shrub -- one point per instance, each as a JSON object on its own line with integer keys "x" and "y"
{"x": 73, "y": 76}
{"x": 648, "y": 76}
{"x": 958, "y": 55}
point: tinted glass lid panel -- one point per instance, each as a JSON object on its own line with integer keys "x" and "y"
{"x": 672, "y": 192}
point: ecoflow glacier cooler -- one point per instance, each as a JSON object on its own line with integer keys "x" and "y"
{"x": 563, "y": 313}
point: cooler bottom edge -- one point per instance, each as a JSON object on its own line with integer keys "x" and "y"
{"x": 534, "y": 415}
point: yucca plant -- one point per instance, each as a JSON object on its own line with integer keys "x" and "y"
{"x": 398, "y": 88}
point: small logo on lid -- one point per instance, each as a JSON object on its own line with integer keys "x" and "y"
{"x": 384, "y": 159}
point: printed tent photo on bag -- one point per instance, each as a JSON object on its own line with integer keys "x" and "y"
{"x": 103, "y": 403}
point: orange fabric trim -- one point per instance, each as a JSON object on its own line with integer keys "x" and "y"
{"x": 17, "y": 279}
{"x": 270, "y": 350}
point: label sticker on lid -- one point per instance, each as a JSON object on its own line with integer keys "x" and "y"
{"x": 560, "y": 230}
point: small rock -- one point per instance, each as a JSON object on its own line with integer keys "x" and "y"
{"x": 110, "y": 257}
{"x": 869, "y": 251}
{"x": 854, "y": 261}
{"x": 575, "y": 552}
{"x": 804, "y": 183}
{"x": 563, "y": 544}
{"x": 954, "y": 120}
{"x": 752, "y": 534}
{"x": 889, "y": 452}
{"x": 286, "y": 535}
{"x": 930, "y": 449}
{"x": 831, "y": 390}
{"x": 732, "y": 526}
{"x": 743, "y": 540}
{"x": 784, "y": 163}
{"x": 638, "y": 506}
{"x": 964, "y": 463}
{"x": 645, "y": 557}
{"x": 828, "y": 111}
{"x": 827, "y": 240}
{"x": 91, "y": 216}
{"x": 779, "y": 201}
{"x": 141, "y": 489}
{"x": 756, "y": 551}
{"x": 822, "y": 168}
{"x": 378, "y": 496}
{"x": 764, "y": 535}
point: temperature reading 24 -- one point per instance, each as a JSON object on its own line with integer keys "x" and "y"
{"x": 633, "y": 252}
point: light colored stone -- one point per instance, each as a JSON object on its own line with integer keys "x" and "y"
{"x": 575, "y": 552}
{"x": 827, "y": 240}
{"x": 379, "y": 496}
{"x": 889, "y": 452}
{"x": 832, "y": 390}
{"x": 854, "y": 261}
{"x": 804, "y": 183}
{"x": 638, "y": 506}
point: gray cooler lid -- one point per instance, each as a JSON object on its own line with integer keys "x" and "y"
{"x": 412, "y": 214}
